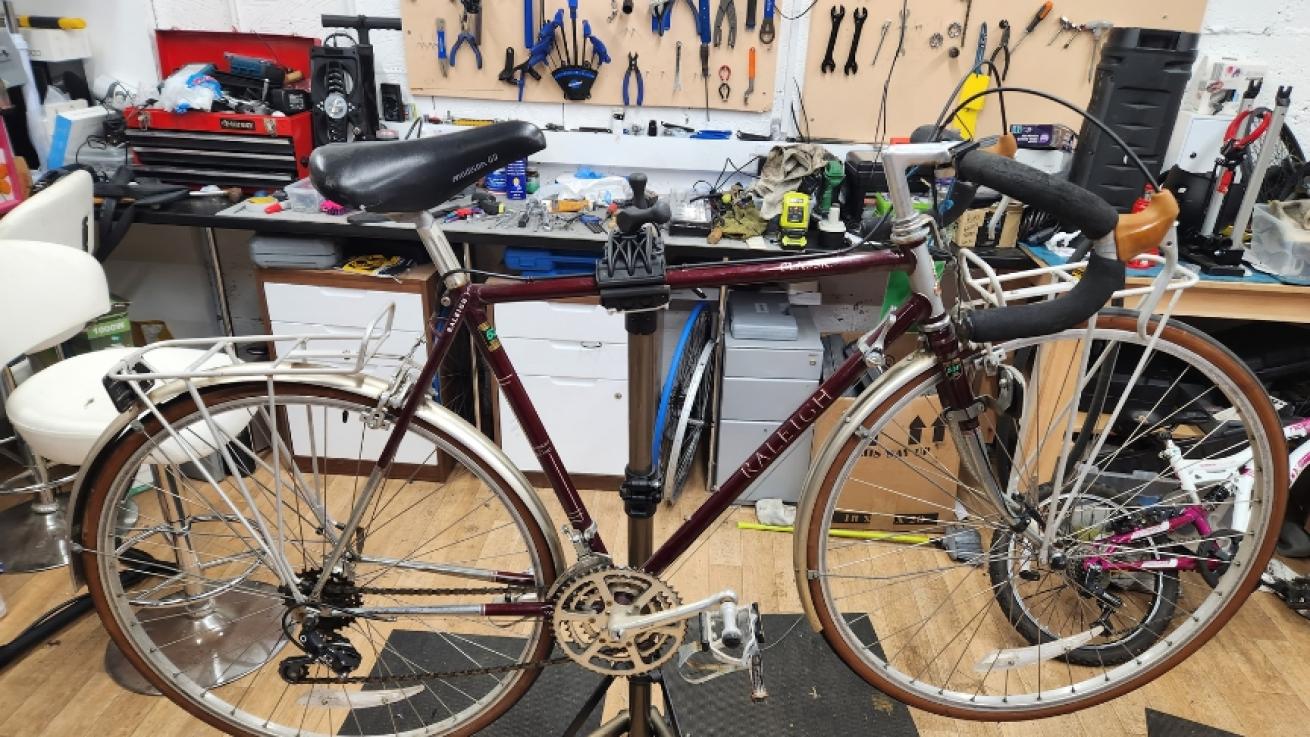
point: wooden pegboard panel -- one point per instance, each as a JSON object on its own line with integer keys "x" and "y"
{"x": 846, "y": 107}
{"x": 502, "y": 26}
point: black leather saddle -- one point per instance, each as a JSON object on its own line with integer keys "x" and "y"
{"x": 412, "y": 176}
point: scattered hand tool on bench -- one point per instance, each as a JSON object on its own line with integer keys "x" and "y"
{"x": 829, "y": 65}
{"x": 750, "y": 78}
{"x": 860, "y": 15}
{"x": 727, "y": 10}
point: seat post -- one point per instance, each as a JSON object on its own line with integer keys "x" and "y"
{"x": 438, "y": 247}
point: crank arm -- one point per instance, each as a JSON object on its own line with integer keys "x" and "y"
{"x": 620, "y": 624}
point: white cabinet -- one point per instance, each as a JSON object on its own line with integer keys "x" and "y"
{"x": 572, "y": 359}
{"x": 328, "y": 302}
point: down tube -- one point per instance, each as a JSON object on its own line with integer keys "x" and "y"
{"x": 517, "y": 397}
{"x": 913, "y": 311}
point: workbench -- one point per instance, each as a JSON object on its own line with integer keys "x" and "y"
{"x": 1255, "y": 296}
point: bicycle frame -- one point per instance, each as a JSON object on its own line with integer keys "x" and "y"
{"x": 467, "y": 304}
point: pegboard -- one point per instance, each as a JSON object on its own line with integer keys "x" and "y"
{"x": 502, "y": 27}
{"x": 846, "y": 107}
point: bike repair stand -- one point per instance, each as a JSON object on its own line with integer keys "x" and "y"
{"x": 631, "y": 279}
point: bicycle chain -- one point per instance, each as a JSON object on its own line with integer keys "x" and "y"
{"x": 422, "y": 676}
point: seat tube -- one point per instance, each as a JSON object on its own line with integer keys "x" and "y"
{"x": 439, "y": 250}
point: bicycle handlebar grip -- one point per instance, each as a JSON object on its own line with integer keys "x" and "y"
{"x": 630, "y": 219}
{"x": 1072, "y": 204}
{"x": 1103, "y": 277}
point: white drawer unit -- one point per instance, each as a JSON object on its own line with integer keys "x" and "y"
{"x": 587, "y": 419}
{"x": 350, "y": 307}
{"x": 572, "y": 358}
{"x": 328, "y": 302}
{"x": 577, "y": 321}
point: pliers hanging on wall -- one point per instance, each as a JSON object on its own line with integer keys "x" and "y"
{"x": 465, "y": 36}
{"x": 661, "y": 14}
{"x": 627, "y": 79}
{"x": 727, "y": 9}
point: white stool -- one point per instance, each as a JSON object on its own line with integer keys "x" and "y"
{"x": 59, "y": 414}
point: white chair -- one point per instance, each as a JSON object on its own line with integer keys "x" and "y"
{"x": 48, "y": 291}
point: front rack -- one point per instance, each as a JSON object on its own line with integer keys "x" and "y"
{"x": 989, "y": 289}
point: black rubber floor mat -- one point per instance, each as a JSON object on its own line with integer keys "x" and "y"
{"x": 1160, "y": 724}
{"x": 811, "y": 693}
{"x": 546, "y": 709}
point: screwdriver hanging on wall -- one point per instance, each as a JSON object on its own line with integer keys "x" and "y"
{"x": 703, "y": 31}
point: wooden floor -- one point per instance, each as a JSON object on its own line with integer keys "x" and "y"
{"x": 1253, "y": 679}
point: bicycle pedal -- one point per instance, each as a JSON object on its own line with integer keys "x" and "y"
{"x": 713, "y": 650}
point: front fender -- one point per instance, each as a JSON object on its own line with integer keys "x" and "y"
{"x": 461, "y": 432}
{"x": 880, "y": 391}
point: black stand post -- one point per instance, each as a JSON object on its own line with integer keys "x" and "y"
{"x": 631, "y": 278}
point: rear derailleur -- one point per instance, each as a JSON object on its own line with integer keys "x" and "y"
{"x": 320, "y": 635}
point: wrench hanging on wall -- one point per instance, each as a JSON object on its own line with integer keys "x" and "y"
{"x": 837, "y": 13}
{"x": 860, "y": 15}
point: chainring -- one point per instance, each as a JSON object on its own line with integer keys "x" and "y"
{"x": 583, "y": 608}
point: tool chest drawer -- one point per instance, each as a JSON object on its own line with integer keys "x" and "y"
{"x": 576, "y": 321}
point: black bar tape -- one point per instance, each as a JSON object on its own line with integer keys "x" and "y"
{"x": 1068, "y": 202}
{"x": 1103, "y": 277}
{"x": 630, "y": 219}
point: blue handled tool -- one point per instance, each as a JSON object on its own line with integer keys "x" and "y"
{"x": 766, "y": 27}
{"x": 573, "y": 20}
{"x": 442, "y": 60}
{"x": 627, "y": 78}
{"x": 703, "y": 21}
{"x": 537, "y": 55}
{"x": 529, "y": 28}
{"x": 558, "y": 25}
{"x": 466, "y": 37}
{"x": 598, "y": 51}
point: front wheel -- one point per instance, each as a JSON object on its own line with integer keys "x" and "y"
{"x": 959, "y": 615}
{"x": 193, "y": 587}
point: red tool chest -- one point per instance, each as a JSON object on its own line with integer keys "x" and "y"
{"x": 223, "y": 148}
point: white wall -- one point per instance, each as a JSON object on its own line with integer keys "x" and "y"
{"x": 1275, "y": 32}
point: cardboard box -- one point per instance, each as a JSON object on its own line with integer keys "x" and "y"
{"x": 910, "y": 471}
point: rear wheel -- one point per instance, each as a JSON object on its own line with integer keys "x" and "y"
{"x": 395, "y": 643}
{"x": 1002, "y": 627}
